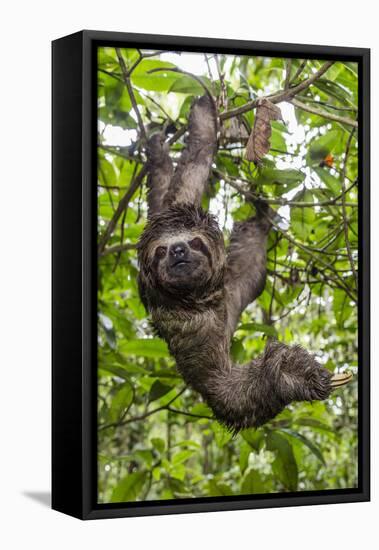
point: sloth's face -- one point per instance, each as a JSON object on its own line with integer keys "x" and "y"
{"x": 181, "y": 254}
{"x": 181, "y": 261}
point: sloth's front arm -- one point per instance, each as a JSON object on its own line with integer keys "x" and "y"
{"x": 186, "y": 184}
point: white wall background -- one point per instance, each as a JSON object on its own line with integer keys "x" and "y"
{"x": 26, "y": 31}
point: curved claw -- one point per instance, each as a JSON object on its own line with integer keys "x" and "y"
{"x": 340, "y": 379}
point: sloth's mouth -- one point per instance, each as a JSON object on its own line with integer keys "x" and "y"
{"x": 180, "y": 263}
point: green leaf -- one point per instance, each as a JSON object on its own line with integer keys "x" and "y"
{"x": 245, "y": 451}
{"x": 252, "y": 483}
{"x": 324, "y": 145}
{"x": 158, "y": 390}
{"x": 113, "y": 370}
{"x": 182, "y": 456}
{"x": 178, "y": 472}
{"x": 258, "y": 327}
{"x": 331, "y": 182}
{"x": 113, "y": 92}
{"x": 222, "y": 435}
{"x": 278, "y": 141}
{"x": 136, "y": 307}
{"x": 146, "y": 456}
{"x": 186, "y": 106}
{"x": 254, "y": 437}
{"x": 160, "y": 81}
{"x": 333, "y": 89}
{"x": 341, "y": 307}
{"x": 284, "y": 465}
{"x": 201, "y": 409}
{"x": 303, "y": 218}
{"x": 314, "y": 423}
{"x": 188, "y": 443}
{"x": 158, "y": 444}
{"x": 156, "y": 473}
{"x": 218, "y": 488}
{"x": 288, "y": 178}
{"x": 237, "y": 350}
{"x": 145, "y": 347}
{"x": 187, "y": 85}
{"x": 147, "y": 65}
{"x": 121, "y": 401}
{"x": 305, "y": 441}
{"x": 225, "y": 164}
{"x": 129, "y": 488}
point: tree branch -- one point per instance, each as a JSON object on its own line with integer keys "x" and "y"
{"x": 324, "y": 114}
{"x": 279, "y": 201}
{"x": 185, "y": 413}
{"x": 118, "y": 248}
{"x": 122, "y": 205}
{"x": 278, "y": 97}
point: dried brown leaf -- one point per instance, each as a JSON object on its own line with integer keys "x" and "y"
{"x": 259, "y": 141}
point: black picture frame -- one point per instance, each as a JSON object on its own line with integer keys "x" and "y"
{"x": 74, "y": 467}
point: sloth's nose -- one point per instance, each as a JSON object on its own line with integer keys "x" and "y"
{"x": 178, "y": 250}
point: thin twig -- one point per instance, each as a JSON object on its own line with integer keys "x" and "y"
{"x": 288, "y": 73}
{"x": 344, "y": 204}
{"x": 221, "y": 75}
{"x": 210, "y": 75}
{"x": 123, "y": 226}
{"x": 328, "y": 105}
{"x": 142, "y": 416}
{"x": 159, "y": 106}
{"x": 112, "y": 149}
{"x": 299, "y": 70}
{"x": 274, "y": 282}
{"x": 126, "y": 76}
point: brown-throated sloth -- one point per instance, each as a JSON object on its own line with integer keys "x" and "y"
{"x": 195, "y": 289}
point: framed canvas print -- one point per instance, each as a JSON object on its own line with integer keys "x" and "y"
{"x": 210, "y": 274}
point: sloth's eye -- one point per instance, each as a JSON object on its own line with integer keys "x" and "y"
{"x": 161, "y": 251}
{"x": 196, "y": 243}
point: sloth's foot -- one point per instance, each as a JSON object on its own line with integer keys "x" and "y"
{"x": 298, "y": 375}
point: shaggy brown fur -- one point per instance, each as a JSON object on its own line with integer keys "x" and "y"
{"x": 195, "y": 290}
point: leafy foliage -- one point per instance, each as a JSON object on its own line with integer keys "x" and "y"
{"x": 157, "y": 439}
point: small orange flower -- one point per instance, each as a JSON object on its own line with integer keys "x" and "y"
{"x": 327, "y": 161}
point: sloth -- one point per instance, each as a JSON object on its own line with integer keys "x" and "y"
{"x": 195, "y": 288}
